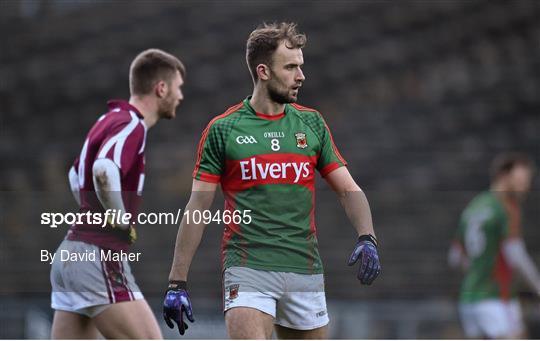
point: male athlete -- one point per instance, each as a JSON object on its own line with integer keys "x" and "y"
{"x": 101, "y": 295}
{"x": 264, "y": 152}
{"x": 489, "y": 247}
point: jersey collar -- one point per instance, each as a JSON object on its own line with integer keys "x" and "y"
{"x": 123, "y": 105}
{"x": 263, "y": 116}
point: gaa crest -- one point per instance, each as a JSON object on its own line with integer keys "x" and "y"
{"x": 301, "y": 141}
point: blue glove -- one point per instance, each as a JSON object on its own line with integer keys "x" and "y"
{"x": 176, "y": 304}
{"x": 366, "y": 250}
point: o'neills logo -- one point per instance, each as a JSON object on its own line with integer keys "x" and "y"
{"x": 252, "y": 170}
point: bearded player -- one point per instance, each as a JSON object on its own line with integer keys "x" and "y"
{"x": 264, "y": 152}
{"x": 101, "y": 296}
{"x": 489, "y": 247}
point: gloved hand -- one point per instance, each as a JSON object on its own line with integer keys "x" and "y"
{"x": 366, "y": 250}
{"x": 129, "y": 233}
{"x": 176, "y": 304}
{"x": 132, "y": 234}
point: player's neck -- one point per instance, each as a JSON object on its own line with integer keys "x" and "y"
{"x": 261, "y": 103}
{"x": 146, "y": 109}
{"x": 498, "y": 187}
{"x": 501, "y": 190}
{"x": 506, "y": 194}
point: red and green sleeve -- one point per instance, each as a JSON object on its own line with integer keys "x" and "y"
{"x": 210, "y": 155}
{"x": 329, "y": 156}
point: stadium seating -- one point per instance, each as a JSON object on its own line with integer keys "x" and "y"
{"x": 419, "y": 97}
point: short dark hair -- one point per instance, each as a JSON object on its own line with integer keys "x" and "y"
{"x": 263, "y": 42}
{"x": 505, "y": 163}
{"x": 151, "y": 66}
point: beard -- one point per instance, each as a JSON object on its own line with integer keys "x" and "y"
{"x": 278, "y": 95}
{"x": 167, "y": 108}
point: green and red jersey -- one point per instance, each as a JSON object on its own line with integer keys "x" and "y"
{"x": 266, "y": 164}
{"x": 485, "y": 223}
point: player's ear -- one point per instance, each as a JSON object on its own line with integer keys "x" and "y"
{"x": 263, "y": 71}
{"x": 161, "y": 89}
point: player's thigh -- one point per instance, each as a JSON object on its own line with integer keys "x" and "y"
{"x": 248, "y": 323}
{"x": 128, "y": 320}
{"x": 295, "y": 334}
{"x": 68, "y": 325}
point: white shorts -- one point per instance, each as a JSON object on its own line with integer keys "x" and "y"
{"x": 295, "y": 301}
{"x": 492, "y": 318}
{"x": 88, "y": 286}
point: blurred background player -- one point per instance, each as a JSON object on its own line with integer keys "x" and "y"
{"x": 109, "y": 174}
{"x": 489, "y": 247}
{"x": 264, "y": 151}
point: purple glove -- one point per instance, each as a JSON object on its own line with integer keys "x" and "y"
{"x": 176, "y": 304}
{"x": 366, "y": 250}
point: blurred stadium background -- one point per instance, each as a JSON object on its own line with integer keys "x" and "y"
{"x": 420, "y": 95}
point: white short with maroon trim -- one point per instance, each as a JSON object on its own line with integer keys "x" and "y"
{"x": 88, "y": 286}
{"x": 295, "y": 300}
{"x": 492, "y": 318}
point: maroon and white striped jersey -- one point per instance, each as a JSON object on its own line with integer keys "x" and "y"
{"x": 118, "y": 135}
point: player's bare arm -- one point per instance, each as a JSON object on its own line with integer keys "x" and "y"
{"x": 190, "y": 234}
{"x": 353, "y": 200}
{"x": 516, "y": 254}
{"x": 456, "y": 257}
{"x": 356, "y": 206}
{"x": 177, "y": 303}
